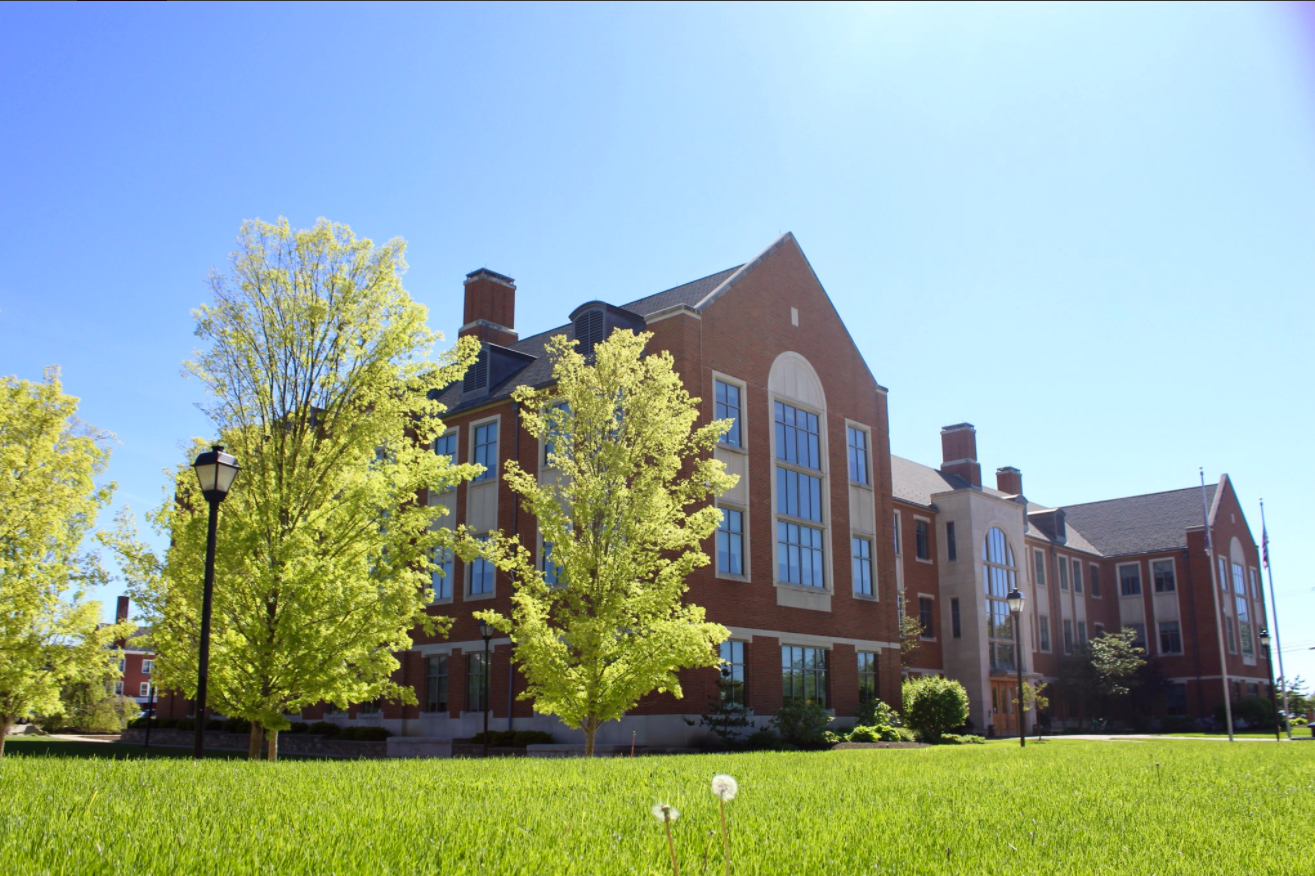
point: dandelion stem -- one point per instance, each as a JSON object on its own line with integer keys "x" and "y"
{"x": 671, "y": 847}
{"x": 725, "y": 839}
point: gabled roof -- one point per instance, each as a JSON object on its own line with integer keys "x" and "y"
{"x": 1140, "y": 524}
{"x": 916, "y": 483}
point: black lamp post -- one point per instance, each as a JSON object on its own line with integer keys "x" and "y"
{"x": 1269, "y": 663}
{"x": 215, "y": 470}
{"x": 486, "y": 633}
{"x": 1015, "y": 599}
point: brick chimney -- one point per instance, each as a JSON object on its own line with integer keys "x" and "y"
{"x": 121, "y": 611}
{"x": 1009, "y": 480}
{"x": 959, "y": 453}
{"x": 490, "y": 307}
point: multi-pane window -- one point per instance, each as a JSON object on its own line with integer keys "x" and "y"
{"x": 1255, "y": 584}
{"x": 441, "y": 578}
{"x": 118, "y": 688}
{"x": 1230, "y": 634}
{"x": 144, "y": 689}
{"x": 1061, "y": 567}
{"x": 861, "y": 548}
{"x": 798, "y": 440}
{"x": 1043, "y": 628}
{"x": 1239, "y": 580}
{"x": 1171, "y": 638}
{"x": 557, "y": 415}
{"x": 1068, "y": 636}
{"x": 1039, "y": 568}
{"x": 1130, "y": 580}
{"x": 858, "y": 456}
{"x": 123, "y": 663}
{"x": 799, "y": 555}
{"x": 926, "y": 617}
{"x": 486, "y": 450}
{"x": 1175, "y": 700}
{"x": 727, "y": 407}
{"x": 1244, "y": 624}
{"x": 1162, "y": 575}
{"x": 730, "y": 542}
{"x": 477, "y": 682}
{"x": 148, "y": 666}
{"x": 436, "y": 683}
{"x": 732, "y": 674}
{"x": 1082, "y": 632}
{"x": 1223, "y": 574}
{"x": 867, "y": 677}
{"x": 951, "y": 548}
{"x": 956, "y": 627}
{"x": 923, "y": 537}
{"x": 803, "y": 675}
{"x": 481, "y": 575}
{"x": 446, "y": 445}
{"x": 1000, "y": 577}
{"x": 1095, "y": 581}
{"x": 1139, "y": 634}
{"x": 897, "y": 546}
{"x": 1077, "y": 576}
{"x": 553, "y": 574}
{"x": 798, "y": 496}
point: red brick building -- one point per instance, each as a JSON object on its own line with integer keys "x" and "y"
{"x": 135, "y": 666}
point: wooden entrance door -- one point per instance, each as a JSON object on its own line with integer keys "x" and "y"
{"x": 1004, "y": 711}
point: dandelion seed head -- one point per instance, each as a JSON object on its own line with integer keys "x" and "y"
{"x": 725, "y": 787}
{"x": 665, "y": 812}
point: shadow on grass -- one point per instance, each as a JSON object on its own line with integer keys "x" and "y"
{"x": 115, "y": 750}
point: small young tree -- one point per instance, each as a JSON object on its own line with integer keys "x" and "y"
{"x": 321, "y": 385}
{"x": 625, "y": 512}
{"x": 933, "y": 706}
{"x": 910, "y": 636}
{"x": 1107, "y": 668}
{"x": 49, "y": 499}
{"x": 1034, "y": 700}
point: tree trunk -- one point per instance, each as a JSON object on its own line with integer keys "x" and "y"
{"x": 5, "y": 721}
{"x": 253, "y": 742}
{"x": 272, "y": 740}
{"x": 590, "y": 731}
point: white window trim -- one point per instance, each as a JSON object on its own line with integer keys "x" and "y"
{"x": 543, "y": 442}
{"x": 1160, "y": 642}
{"x": 472, "y": 485}
{"x": 1173, "y": 565}
{"x": 922, "y": 596}
{"x": 148, "y": 666}
{"x": 875, "y": 596}
{"x": 899, "y": 534}
{"x": 828, "y": 549}
{"x": 1092, "y": 577}
{"x": 744, "y": 546}
{"x": 144, "y": 693}
{"x": 930, "y": 559}
{"x": 451, "y": 584}
{"x": 470, "y": 445}
{"x": 1141, "y": 578}
{"x": 867, "y": 441}
{"x": 1043, "y": 642}
{"x": 1075, "y": 576}
{"x": 744, "y": 413}
{"x": 1062, "y": 579}
{"x": 1045, "y": 567}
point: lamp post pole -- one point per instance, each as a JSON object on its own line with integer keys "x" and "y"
{"x": 1015, "y": 600}
{"x": 215, "y": 470}
{"x": 486, "y": 634}
{"x": 1269, "y": 663}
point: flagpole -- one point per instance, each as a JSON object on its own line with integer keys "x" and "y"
{"x": 1219, "y": 618}
{"x": 1273, "y": 609}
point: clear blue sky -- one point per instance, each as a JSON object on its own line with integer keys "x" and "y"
{"x": 1085, "y": 229}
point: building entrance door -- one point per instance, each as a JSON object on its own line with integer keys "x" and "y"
{"x": 1004, "y": 711}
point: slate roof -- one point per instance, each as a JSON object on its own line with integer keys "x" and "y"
{"x": 914, "y": 482}
{"x": 539, "y": 372}
{"x": 1074, "y": 540}
{"x": 1139, "y": 524}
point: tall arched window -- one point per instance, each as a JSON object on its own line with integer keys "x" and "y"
{"x": 999, "y": 576}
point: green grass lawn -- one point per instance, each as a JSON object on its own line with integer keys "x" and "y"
{"x": 1065, "y": 807}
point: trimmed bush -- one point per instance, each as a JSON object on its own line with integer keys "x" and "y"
{"x": 324, "y": 728}
{"x": 514, "y": 738}
{"x": 956, "y": 739}
{"x": 878, "y": 733}
{"x": 801, "y": 724}
{"x": 934, "y": 706}
{"x": 298, "y": 727}
{"x": 875, "y": 713}
{"x": 364, "y": 734}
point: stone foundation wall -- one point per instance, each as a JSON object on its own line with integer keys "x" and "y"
{"x": 289, "y": 743}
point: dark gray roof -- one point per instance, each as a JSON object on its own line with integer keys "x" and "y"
{"x": 916, "y": 483}
{"x": 1139, "y": 524}
{"x": 539, "y": 372}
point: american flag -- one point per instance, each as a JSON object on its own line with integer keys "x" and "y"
{"x": 1264, "y": 545}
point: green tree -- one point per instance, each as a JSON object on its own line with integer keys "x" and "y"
{"x": 49, "y": 634}
{"x": 1034, "y": 700}
{"x": 933, "y": 706}
{"x": 625, "y": 508}
{"x": 1108, "y": 668}
{"x": 320, "y": 382}
{"x": 93, "y": 707}
{"x": 1300, "y": 702}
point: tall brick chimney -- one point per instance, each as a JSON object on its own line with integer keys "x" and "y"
{"x": 121, "y": 610}
{"x": 959, "y": 453}
{"x": 1009, "y": 480}
{"x": 490, "y": 307}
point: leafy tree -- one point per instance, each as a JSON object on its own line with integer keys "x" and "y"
{"x": 933, "y": 706}
{"x": 95, "y": 708}
{"x": 49, "y": 498}
{"x": 626, "y": 515}
{"x": 1300, "y": 702}
{"x": 910, "y": 635}
{"x": 1034, "y": 699}
{"x": 320, "y": 384}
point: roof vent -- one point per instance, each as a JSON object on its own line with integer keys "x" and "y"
{"x": 588, "y": 331}
{"x": 477, "y": 375}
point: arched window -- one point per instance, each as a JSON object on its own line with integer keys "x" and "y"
{"x": 999, "y": 576}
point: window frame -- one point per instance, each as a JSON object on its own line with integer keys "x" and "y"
{"x": 446, "y": 581}
{"x": 1093, "y": 580}
{"x": 822, "y": 680}
{"x": 1173, "y": 575}
{"x": 1076, "y": 575}
{"x": 926, "y": 529}
{"x": 723, "y": 687}
{"x": 470, "y": 594}
{"x": 486, "y": 689}
{"x": 779, "y": 520}
{"x": 927, "y": 607}
{"x": 1043, "y": 630}
{"x": 148, "y": 665}
{"x": 428, "y": 706}
{"x": 744, "y": 574}
{"x": 956, "y": 619}
{"x": 1040, "y": 572}
{"x": 866, "y": 432}
{"x": 1061, "y": 572}
{"x": 490, "y": 474}
{"x": 872, "y": 672}
{"x": 1177, "y": 631}
{"x": 898, "y": 526}
{"x": 144, "y": 690}
{"x": 1118, "y": 573}
{"x": 742, "y": 418}
{"x": 1068, "y": 635}
{"x": 871, "y": 561}
{"x": 951, "y": 543}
